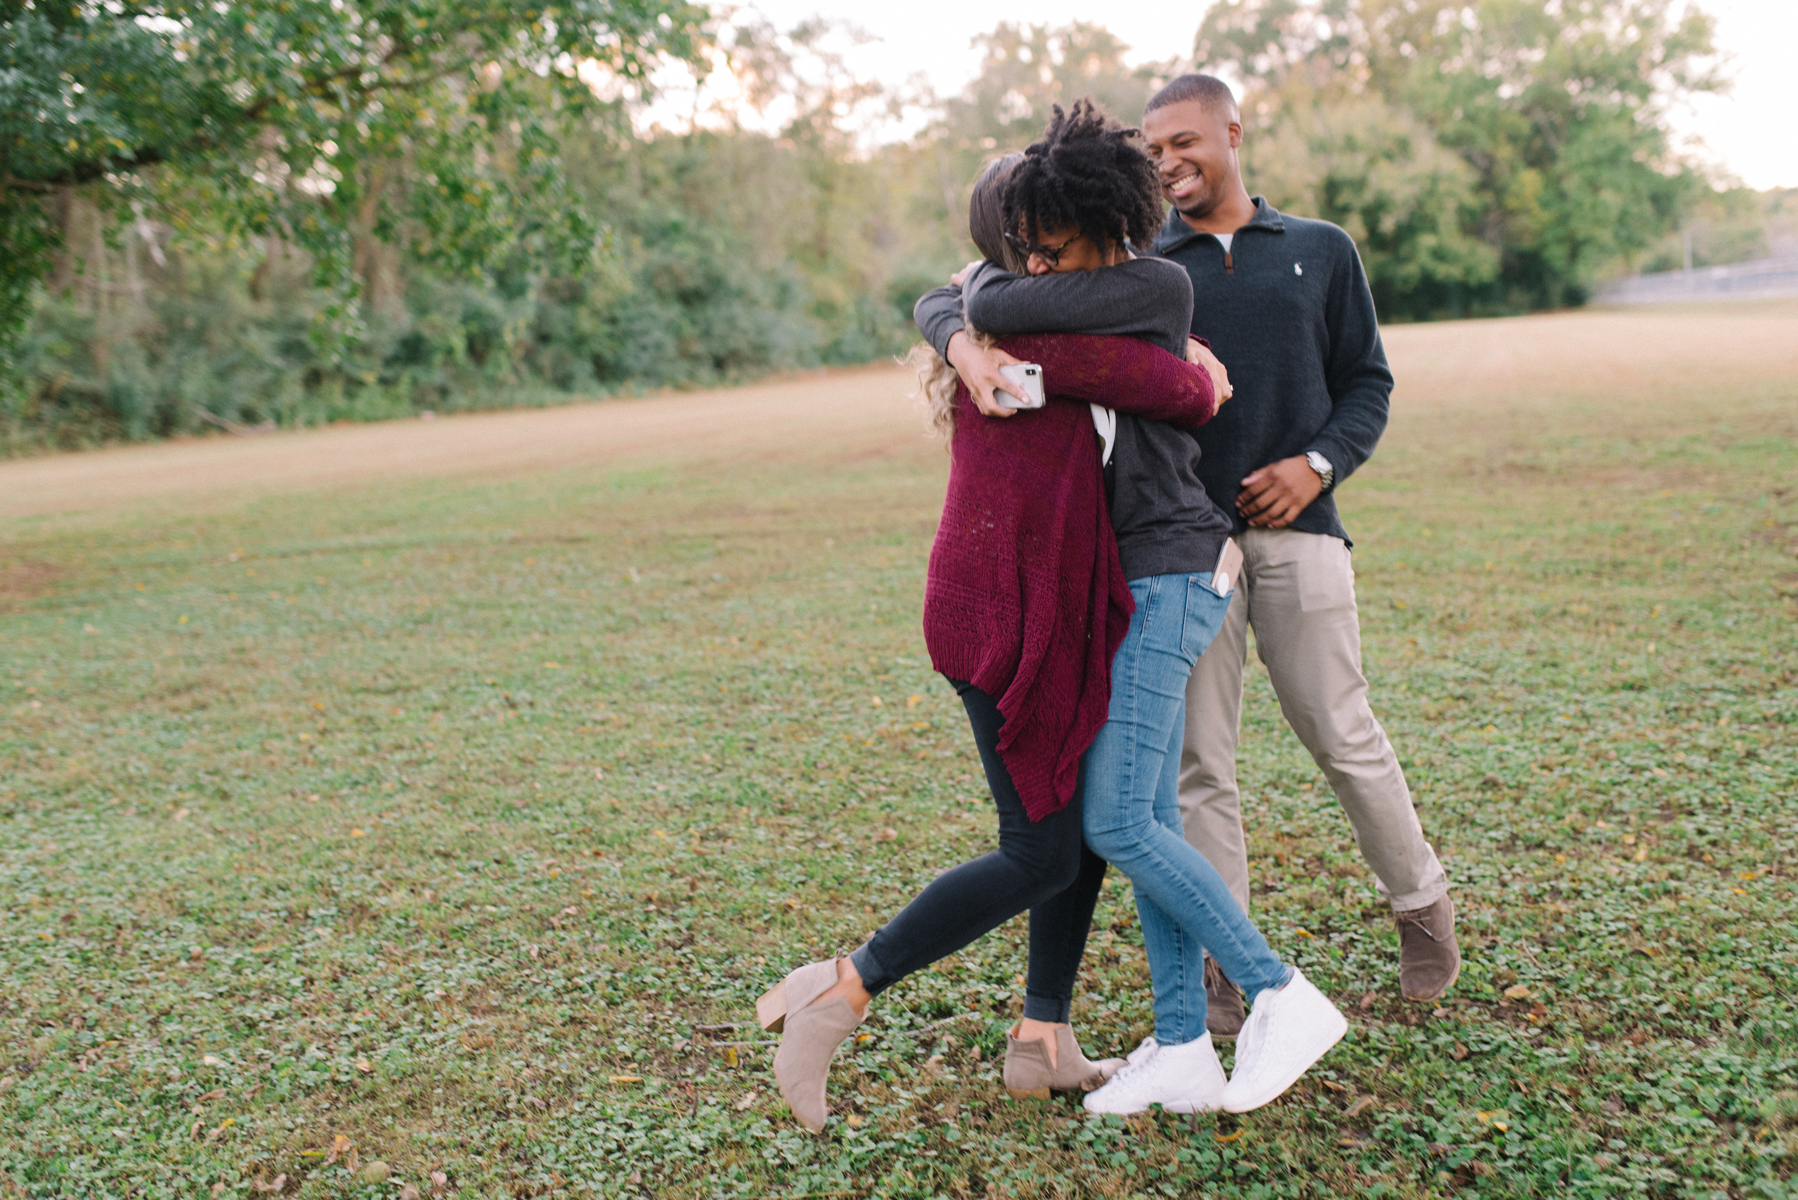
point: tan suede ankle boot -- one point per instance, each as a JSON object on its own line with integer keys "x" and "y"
{"x": 1028, "y": 1073}
{"x": 810, "y": 1034}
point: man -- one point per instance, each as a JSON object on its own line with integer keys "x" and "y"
{"x": 1285, "y": 304}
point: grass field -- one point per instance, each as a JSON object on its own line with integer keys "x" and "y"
{"x": 419, "y": 810}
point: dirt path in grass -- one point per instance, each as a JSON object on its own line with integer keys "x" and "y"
{"x": 1661, "y": 353}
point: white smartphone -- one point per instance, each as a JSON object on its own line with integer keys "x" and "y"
{"x": 1228, "y": 569}
{"x": 1029, "y": 380}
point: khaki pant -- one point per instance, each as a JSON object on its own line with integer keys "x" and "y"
{"x": 1298, "y": 591}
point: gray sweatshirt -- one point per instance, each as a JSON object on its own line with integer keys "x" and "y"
{"x": 1164, "y": 522}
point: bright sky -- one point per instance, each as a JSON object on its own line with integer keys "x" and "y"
{"x": 1752, "y": 132}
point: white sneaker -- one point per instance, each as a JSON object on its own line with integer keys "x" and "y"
{"x": 1182, "y": 1079}
{"x": 1285, "y": 1033}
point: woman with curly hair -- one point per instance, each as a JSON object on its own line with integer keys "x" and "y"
{"x": 1025, "y": 603}
{"x": 1063, "y": 213}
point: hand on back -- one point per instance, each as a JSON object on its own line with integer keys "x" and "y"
{"x": 979, "y": 370}
{"x": 1199, "y": 355}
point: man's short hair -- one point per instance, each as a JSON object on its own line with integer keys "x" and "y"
{"x": 1208, "y": 90}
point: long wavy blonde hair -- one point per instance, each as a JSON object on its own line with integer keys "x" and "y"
{"x": 935, "y": 394}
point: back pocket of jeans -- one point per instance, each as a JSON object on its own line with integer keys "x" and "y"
{"x": 1205, "y": 612}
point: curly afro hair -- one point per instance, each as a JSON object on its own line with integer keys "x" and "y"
{"x": 1088, "y": 173}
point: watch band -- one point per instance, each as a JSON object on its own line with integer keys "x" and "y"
{"x": 1325, "y": 472}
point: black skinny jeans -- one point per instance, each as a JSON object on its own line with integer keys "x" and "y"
{"x": 1041, "y": 866}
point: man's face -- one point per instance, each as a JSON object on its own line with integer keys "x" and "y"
{"x": 1193, "y": 146}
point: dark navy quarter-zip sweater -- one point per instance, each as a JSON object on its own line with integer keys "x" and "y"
{"x": 1288, "y": 312}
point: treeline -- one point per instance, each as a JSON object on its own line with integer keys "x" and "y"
{"x": 299, "y": 211}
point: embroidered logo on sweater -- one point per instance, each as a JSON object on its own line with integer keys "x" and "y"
{"x": 1297, "y": 270}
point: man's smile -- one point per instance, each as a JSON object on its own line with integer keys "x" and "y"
{"x": 1182, "y": 185}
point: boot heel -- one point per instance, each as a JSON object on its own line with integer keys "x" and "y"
{"x": 771, "y": 1009}
{"x": 1035, "y": 1093}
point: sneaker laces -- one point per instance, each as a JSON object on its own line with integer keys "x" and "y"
{"x": 1254, "y": 1029}
{"x": 1140, "y": 1060}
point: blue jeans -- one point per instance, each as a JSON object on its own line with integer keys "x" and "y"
{"x": 1132, "y": 815}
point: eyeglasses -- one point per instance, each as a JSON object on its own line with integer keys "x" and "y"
{"x": 1049, "y": 254}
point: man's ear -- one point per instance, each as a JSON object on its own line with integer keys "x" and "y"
{"x": 1235, "y": 135}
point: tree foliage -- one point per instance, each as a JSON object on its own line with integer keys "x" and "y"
{"x": 1557, "y": 112}
{"x": 422, "y": 124}
{"x": 307, "y": 210}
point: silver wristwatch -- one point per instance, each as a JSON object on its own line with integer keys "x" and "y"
{"x": 1322, "y": 466}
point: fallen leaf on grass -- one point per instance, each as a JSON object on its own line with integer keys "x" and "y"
{"x": 627, "y": 1079}
{"x": 1367, "y": 1001}
{"x": 745, "y": 1102}
{"x": 340, "y": 1146}
{"x": 273, "y": 1185}
{"x": 1224, "y": 1139}
{"x": 209, "y": 1060}
{"x": 1459, "y": 1053}
{"x": 364, "y": 1066}
{"x": 207, "y": 1097}
{"x": 408, "y": 1192}
{"x": 1360, "y": 1106}
{"x": 439, "y": 1181}
{"x": 1518, "y": 991}
{"x": 888, "y": 834}
{"x": 1337, "y": 1087}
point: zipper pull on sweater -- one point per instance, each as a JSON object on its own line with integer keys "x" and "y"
{"x": 1229, "y": 264}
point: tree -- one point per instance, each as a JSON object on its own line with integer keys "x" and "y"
{"x": 339, "y": 125}
{"x": 1378, "y": 172}
{"x": 1559, "y": 110}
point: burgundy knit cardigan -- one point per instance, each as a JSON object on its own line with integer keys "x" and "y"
{"x": 1025, "y": 597}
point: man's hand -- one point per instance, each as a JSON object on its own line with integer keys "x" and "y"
{"x": 979, "y": 371}
{"x": 961, "y": 276}
{"x": 1199, "y": 355}
{"x": 1274, "y": 496}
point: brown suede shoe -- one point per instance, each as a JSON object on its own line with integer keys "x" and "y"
{"x": 1223, "y": 1002}
{"x": 1429, "y": 960}
{"x": 1028, "y": 1073}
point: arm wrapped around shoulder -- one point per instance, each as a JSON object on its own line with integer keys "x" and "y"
{"x": 1124, "y": 373}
